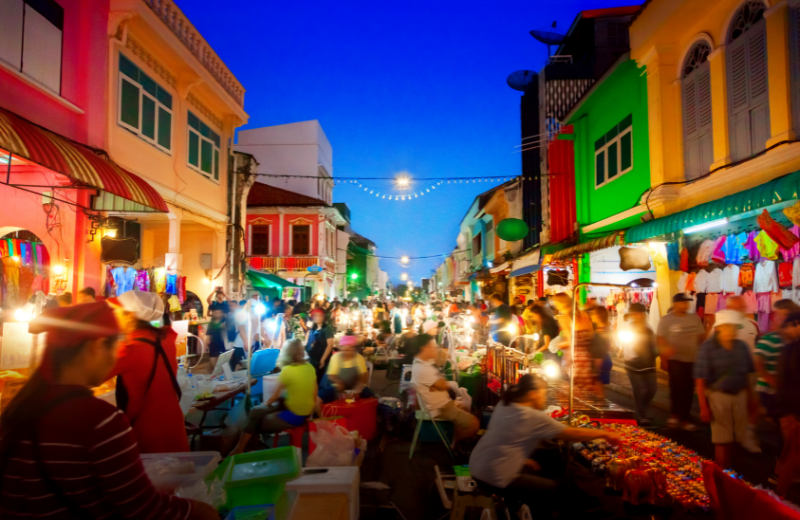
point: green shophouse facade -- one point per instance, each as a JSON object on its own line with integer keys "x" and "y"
{"x": 612, "y": 156}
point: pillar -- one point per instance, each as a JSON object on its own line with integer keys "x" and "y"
{"x": 219, "y": 256}
{"x": 174, "y": 260}
{"x": 719, "y": 107}
{"x": 779, "y": 63}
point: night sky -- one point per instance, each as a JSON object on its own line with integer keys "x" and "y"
{"x": 413, "y": 86}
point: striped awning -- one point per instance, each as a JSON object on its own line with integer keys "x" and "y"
{"x": 614, "y": 239}
{"x": 83, "y": 164}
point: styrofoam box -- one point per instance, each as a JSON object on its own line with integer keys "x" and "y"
{"x": 340, "y": 480}
{"x": 204, "y": 463}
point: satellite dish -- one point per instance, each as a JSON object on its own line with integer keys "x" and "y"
{"x": 548, "y": 37}
{"x": 521, "y": 80}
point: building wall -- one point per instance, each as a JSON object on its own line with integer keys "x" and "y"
{"x": 291, "y": 149}
{"x": 622, "y": 93}
{"x": 278, "y": 248}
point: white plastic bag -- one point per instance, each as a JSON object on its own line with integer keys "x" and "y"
{"x": 463, "y": 399}
{"x": 212, "y": 494}
{"x": 335, "y": 446}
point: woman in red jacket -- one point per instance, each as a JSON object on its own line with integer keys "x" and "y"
{"x": 146, "y": 368}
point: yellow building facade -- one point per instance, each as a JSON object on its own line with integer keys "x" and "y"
{"x": 173, "y": 107}
{"x": 722, "y": 114}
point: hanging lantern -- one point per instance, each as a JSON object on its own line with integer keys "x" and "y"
{"x": 512, "y": 229}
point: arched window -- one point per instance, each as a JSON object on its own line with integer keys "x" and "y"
{"x": 748, "y": 91}
{"x": 698, "y": 146}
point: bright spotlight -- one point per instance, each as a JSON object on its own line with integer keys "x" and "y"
{"x": 551, "y": 370}
{"x": 22, "y": 315}
{"x": 260, "y": 309}
{"x": 625, "y": 336}
{"x": 404, "y": 259}
{"x": 403, "y": 182}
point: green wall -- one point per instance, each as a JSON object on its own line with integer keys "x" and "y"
{"x": 622, "y": 93}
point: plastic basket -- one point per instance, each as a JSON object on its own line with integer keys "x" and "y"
{"x": 258, "y": 478}
{"x": 204, "y": 463}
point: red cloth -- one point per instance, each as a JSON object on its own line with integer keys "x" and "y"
{"x": 157, "y": 417}
{"x": 785, "y": 274}
{"x": 685, "y": 260}
{"x": 732, "y": 499}
{"x": 776, "y": 231}
{"x": 83, "y": 437}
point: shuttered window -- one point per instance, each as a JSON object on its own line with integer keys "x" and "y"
{"x": 613, "y": 153}
{"x": 698, "y": 147}
{"x": 31, "y": 34}
{"x": 204, "y": 146}
{"x": 301, "y": 235}
{"x": 145, "y": 107}
{"x": 748, "y": 91}
{"x": 259, "y": 240}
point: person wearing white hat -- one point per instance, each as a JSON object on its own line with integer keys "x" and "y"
{"x": 147, "y": 389}
{"x": 721, "y": 374}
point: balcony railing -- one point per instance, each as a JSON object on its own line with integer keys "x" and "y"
{"x": 181, "y": 27}
{"x": 289, "y": 263}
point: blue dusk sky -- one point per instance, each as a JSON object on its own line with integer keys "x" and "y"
{"x": 412, "y": 86}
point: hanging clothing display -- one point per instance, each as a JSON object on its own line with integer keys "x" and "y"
{"x": 776, "y": 231}
{"x": 794, "y": 251}
{"x": 714, "y": 284}
{"x": 124, "y": 279}
{"x": 11, "y": 278}
{"x": 752, "y": 248}
{"x": 730, "y": 279}
{"x": 181, "y": 288}
{"x": 172, "y": 287}
{"x": 682, "y": 282}
{"x": 766, "y": 279}
{"x": 747, "y": 275}
{"x": 673, "y": 256}
{"x": 785, "y": 274}
{"x": 160, "y": 280}
{"x": 701, "y": 281}
{"x": 718, "y": 256}
{"x": 684, "y": 260}
{"x": 735, "y": 251}
{"x": 143, "y": 281}
{"x": 690, "y": 286}
{"x": 766, "y": 246}
{"x": 751, "y": 302}
{"x": 704, "y": 253}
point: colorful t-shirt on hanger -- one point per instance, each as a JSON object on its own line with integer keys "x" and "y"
{"x": 734, "y": 248}
{"x": 750, "y": 301}
{"x": 690, "y": 287}
{"x": 704, "y": 253}
{"x": 682, "y": 282}
{"x": 673, "y": 256}
{"x": 730, "y": 279}
{"x": 747, "y": 275}
{"x": 143, "y": 281}
{"x": 752, "y": 248}
{"x": 160, "y": 278}
{"x": 792, "y": 252}
{"x": 718, "y": 255}
{"x": 685, "y": 260}
{"x": 766, "y": 246}
{"x": 714, "y": 281}
{"x": 701, "y": 281}
{"x": 766, "y": 279}
{"x": 172, "y": 287}
{"x": 785, "y": 274}
{"x": 124, "y": 278}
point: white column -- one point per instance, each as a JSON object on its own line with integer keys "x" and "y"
{"x": 173, "y": 260}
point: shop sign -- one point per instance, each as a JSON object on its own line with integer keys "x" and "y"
{"x": 314, "y": 269}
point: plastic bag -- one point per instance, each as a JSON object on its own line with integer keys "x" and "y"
{"x": 212, "y": 494}
{"x": 168, "y": 466}
{"x": 335, "y": 446}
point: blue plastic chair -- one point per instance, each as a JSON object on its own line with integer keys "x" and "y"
{"x": 263, "y": 363}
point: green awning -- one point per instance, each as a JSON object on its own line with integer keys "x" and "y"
{"x": 267, "y": 281}
{"x": 777, "y": 191}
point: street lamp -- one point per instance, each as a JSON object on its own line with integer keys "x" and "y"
{"x": 404, "y": 259}
{"x": 404, "y": 276}
{"x": 354, "y": 276}
{"x": 403, "y": 182}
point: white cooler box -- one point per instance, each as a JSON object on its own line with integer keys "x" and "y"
{"x": 341, "y": 480}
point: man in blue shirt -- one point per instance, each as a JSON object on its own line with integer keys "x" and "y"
{"x": 721, "y": 377}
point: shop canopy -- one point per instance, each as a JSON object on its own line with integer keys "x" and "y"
{"x": 84, "y": 165}
{"x": 527, "y": 264}
{"x": 782, "y": 190}
{"x": 267, "y": 281}
{"x": 614, "y": 239}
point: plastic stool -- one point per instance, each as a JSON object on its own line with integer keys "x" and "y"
{"x": 295, "y": 434}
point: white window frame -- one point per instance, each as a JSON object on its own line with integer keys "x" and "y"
{"x": 250, "y": 238}
{"x": 214, "y": 148}
{"x": 618, "y": 140}
{"x": 159, "y": 105}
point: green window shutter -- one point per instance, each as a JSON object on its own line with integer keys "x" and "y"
{"x": 129, "y": 104}
{"x": 127, "y": 67}
{"x": 164, "y": 98}
{"x": 216, "y": 164}
{"x": 194, "y": 122}
{"x": 148, "y": 117}
{"x": 194, "y": 149}
{"x": 147, "y": 84}
{"x": 164, "y": 128}
{"x": 206, "y": 156}
{"x": 600, "y": 168}
{"x": 613, "y": 170}
{"x": 626, "y": 152}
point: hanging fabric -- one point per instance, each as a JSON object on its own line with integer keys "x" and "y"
{"x": 776, "y": 231}
{"x": 172, "y": 287}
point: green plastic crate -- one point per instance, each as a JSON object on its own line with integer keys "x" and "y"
{"x": 259, "y": 477}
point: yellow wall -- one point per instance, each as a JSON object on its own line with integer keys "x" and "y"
{"x": 660, "y": 38}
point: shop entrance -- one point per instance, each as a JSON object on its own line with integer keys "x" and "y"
{"x": 26, "y": 268}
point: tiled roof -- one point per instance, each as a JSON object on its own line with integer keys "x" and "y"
{"x": 264, "y": 195}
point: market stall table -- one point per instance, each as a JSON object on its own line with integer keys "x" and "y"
{"x": 221, "y": 395}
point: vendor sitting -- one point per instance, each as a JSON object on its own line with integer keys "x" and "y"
{"x": 347, "y": 371}
{"x": 502, "y": 458}
{"x": 298, "y": 378}
{"x": 432, "y": 390}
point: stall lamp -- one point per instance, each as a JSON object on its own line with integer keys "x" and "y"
{"x": 110, "y": 232}
{"x": 260, "y": 309}
{"x": 24, "y": 313}
{"x": 320, "y": 297}
{"x": 625, "y": 336}
{"x": 58, "y": 270}
{"x": 472, "y": 319}
{"x": 551, "y": 370}
{"x": 706, "y": 225}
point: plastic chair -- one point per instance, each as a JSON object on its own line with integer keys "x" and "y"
{"x": 423, "y": 415}
{"x": 295, "y": 436}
